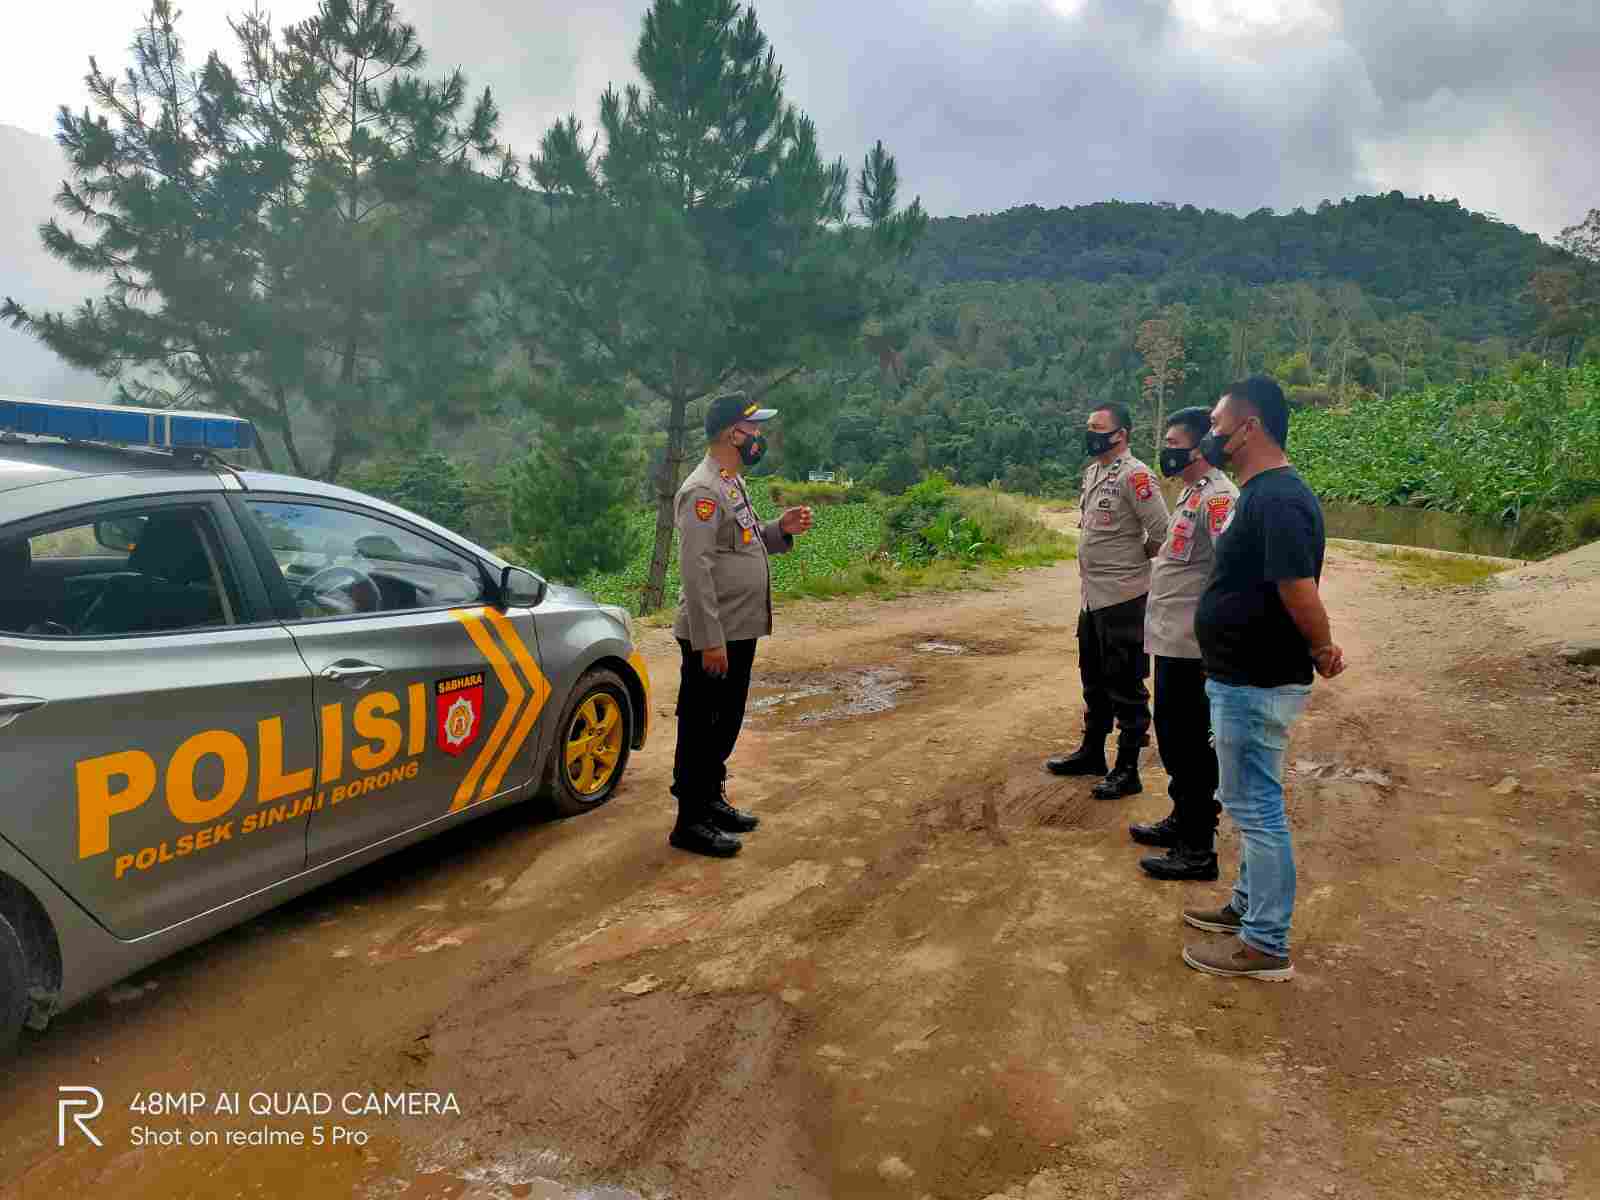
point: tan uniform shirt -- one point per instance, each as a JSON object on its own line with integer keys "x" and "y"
{"x": 722, "y": 553}
{"x": 1119, "y": 511}
{"x": 1183, "y": 565}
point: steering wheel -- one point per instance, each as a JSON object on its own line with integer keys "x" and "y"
{"x": 340, "y": 591}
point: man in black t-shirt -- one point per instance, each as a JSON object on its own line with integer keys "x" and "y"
{"x": 1263, "y": 631}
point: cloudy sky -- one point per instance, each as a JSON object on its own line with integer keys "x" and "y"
{"x": 1233, "y": 104}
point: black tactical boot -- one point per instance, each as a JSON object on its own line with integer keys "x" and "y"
{"x": 1124, "y": 777}
{"x": 1181, "y": 862}
{"x": 704, "y": 838}
{"x": 1164, "y": 832}
{"x": 1087, "y": 759}
{"x": 728, "y": 818}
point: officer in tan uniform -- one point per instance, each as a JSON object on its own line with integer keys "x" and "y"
{"x": 1183, "y": 712}
{"x": 725, "y": 606}
{"x": 1123, "y": 519}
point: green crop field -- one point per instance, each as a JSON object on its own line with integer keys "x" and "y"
{"x": 842, "y": 537}
{"x": 848, "y": 553}
{"x": 1489, "y": 449}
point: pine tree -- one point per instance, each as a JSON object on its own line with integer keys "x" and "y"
{"x": 705, "y": 243}
{"x": 571, "y": 499}
{"x": 293, "y": 237}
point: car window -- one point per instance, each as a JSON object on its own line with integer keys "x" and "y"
{"x": 341, "y": 563}
{"x": 157, "y": 571}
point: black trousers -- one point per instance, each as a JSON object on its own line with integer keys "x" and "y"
{"x": 1183, "y": 737}
{"x": 1113, "y": 664}
{"x": 710, "y": 715}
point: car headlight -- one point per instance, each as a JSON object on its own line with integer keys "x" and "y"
{"x": 622, "y": 617}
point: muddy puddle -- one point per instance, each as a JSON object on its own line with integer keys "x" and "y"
{"x": 807, "y": 698}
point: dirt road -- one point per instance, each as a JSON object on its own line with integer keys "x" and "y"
{"x": 935, "y": 971}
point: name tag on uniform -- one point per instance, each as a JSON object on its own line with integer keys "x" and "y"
{"x": 1180, "y": 545}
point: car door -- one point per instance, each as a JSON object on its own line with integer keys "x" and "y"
{"x": 157, "y": 734}
{"x": 426, "y": 696}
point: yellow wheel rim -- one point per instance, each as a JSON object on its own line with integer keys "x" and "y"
{"x": 594, "y": 744}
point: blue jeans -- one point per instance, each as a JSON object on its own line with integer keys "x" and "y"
{"x": 1252, "y": 731}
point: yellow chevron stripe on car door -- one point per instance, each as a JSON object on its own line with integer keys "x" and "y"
{"x": 472, "y": 619}
{"x": 540, "y": 687}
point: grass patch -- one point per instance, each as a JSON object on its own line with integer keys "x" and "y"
{"x": 850, "y": 551}
{"x": 787, "y": 493}
{"x": 1585, "y": 522}
{"x": 1427, "y": 570}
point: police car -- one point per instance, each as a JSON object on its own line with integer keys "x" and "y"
{"x": 220, "y": 688}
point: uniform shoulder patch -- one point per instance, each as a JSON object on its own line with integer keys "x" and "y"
{"x": 1217, "y": 509}
{"x": 1143, "y": 486}
{"x": 705, "y": 509}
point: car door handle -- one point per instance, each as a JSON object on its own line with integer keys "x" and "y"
{"x": 351, "y": 673}
{"x": 12, "y": 707}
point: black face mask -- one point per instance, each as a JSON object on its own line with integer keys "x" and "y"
{"x": 753, "y": 449}
{"x": 1097, "y": 444}
{"x": 1173, "y": 462}
{"x": 1214, "y": 448}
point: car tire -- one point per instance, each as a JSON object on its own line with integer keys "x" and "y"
{"x": 13, "y": 987}
{"x": 570, "y": 795}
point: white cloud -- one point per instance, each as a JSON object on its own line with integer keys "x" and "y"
{"x": 45, "y": 52}
{"x": 992, "y": 103}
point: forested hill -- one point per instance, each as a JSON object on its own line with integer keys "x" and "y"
{"x": 1028, "y": 318}
{"x": 1423, "y": 254}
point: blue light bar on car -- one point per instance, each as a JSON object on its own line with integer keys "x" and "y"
{"x": 156, "y": 427}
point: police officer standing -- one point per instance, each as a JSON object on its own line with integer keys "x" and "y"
{"x": 726, "y": 605}
{"x": 1183, "y": 713}
{"x": 1123, "y": 519}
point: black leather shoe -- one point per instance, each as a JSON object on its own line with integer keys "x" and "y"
{"x": 1124, "y": 777}
{"x": 1181, "y": 862}
{"x": 1123, "y": 781}
{"x": 703, "y": 838}
{"x": 1164, "y": 832}
{"x": 730, "y": 819}
{"x": 1087, "y": 759}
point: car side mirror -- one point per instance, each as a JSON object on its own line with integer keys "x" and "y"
{"x": 521, "y": 589}
{"x": 119, "y": 533}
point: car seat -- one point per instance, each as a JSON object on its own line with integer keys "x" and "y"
{"x": 168, "y": 583}
{"x": 28, "y": 603}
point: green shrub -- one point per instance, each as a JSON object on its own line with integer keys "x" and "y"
{"x": 1309, "y": 397}
{"x": 1026, "y": 480}
{"x": 1585, "y": 522}
{"x": 1539, "y": 534}
{"x": 929, "y": 521}
{"x": 570, "y": 502}
{"x": 427, "y": 483}
{"x": 894, "y": 474}
{"x": 1004, "y": 520}
{"x": 787, "y": 493}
